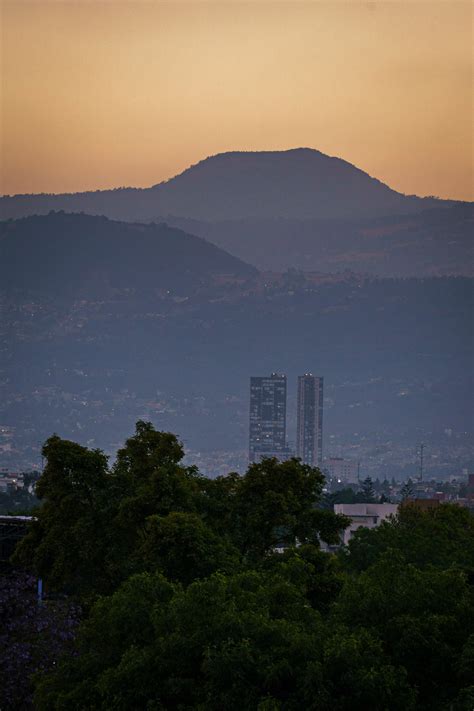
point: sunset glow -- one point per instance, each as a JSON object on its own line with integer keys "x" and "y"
{"x": 104, "y": 94}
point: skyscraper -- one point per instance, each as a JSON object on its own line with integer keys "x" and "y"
{"x": 267, "y": 431}
{"x": 309, "y": 420}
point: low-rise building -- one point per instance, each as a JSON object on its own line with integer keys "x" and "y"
{"x": 364, "y": 515}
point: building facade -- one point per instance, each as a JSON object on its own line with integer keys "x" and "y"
{"x": 343, "y": 470}
{"x": 364, "y": 516}
{"x": 309, "y": 420}
{"x": 267, "y": 426}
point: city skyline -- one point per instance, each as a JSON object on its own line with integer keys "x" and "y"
{"x": 268, "y": 418}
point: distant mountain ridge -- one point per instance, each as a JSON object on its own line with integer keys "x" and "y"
{"x": 435, "y": 242}
{"x": 300, "y": 183}
{"x": 63, "y": 254}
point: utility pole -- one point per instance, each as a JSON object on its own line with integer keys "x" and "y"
{"x": 422, "y": 446}
{"x": 358, "y": 472}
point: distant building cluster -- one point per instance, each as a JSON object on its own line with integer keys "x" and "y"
{"x": 267, "y": 422}
{"x": 342, "y": 470}
{"x": 14, "y": 481}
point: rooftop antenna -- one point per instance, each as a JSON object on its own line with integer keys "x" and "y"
{"x": 422, "y": 446}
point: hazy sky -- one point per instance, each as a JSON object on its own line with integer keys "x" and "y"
{"x": 104, "y": 94}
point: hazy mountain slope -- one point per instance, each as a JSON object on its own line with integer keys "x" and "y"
{"x": 433, "y": 242}
{"x": 63, "y": 253}
{"x": 299, "y": 184}
{"x": 396, "y": 356}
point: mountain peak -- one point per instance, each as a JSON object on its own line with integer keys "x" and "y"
{"x": 287, "y": 155}
{"x": 298, "y": 183}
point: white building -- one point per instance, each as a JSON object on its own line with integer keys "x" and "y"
{"x": 364, "y": 515}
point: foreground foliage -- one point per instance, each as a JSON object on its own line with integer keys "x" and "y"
{"x": 187, "y": 604}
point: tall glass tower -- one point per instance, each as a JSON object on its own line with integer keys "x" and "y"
{"x": 267, "y": 431}
{"x": 309, "y": 420}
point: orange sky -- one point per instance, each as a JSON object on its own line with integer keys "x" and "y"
{"x": 104, "y": 94}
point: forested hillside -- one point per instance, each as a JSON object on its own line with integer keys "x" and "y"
{"x": 64, "y": 255}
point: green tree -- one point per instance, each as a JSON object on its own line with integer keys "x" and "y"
{"x": 274, "y": 504}
{"x": 97, "y": 527}
{"x": 442, "y": 536}
{"x": 199, "y": 610}
{"x": 148, "y": 479}
{"x": 117, "y": 628}
{"x": 315, "y": 573}
{"x": 92, "y": 521}
{"x": 66, "y": 542}
{"x": 184, "y": 548}
{"x": 367, "y": 492}
{"x": 465, "y": 672}
{"x": 248, "y": 641}
{"x": 422, "y": 617}
{"x": 407, "y": 490}
{"x": 217, "y": 503}
{"x": 342, "y": 496}
{"x": 359, "y": 675}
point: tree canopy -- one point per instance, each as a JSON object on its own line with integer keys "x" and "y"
{"x": 442, "y": 536}
{"x": 213, "y": 594}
